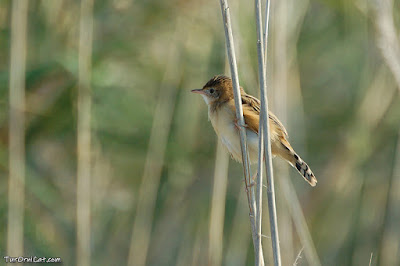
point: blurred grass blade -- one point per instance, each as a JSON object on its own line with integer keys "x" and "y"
{"x": 238, "y": 244}
{"x": 84, "y": 135}
{"x": 389, "y": 253}
{"x": 389, "y": 44}
{"x": 218, "y": 206}
{"x": 279, "y": 93}
{"x": 142, "y": 225}
{"x": 300, "y": 222}
{"x": 298, "y": 257}
{"x": 16, "y": 194}
{"x": 279, "y": 90}
{"x": 388, "y": 40}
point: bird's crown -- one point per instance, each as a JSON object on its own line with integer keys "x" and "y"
{"x": 219, "y": 81}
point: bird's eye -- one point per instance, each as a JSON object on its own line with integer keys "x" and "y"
{"x": 211, "y": 90}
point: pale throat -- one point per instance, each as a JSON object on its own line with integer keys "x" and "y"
{"x": 211, "y": 103}
{"x": 206, "y": 99}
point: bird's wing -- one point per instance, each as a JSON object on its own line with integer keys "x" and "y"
{"x": 251, "y": 112}
{"x": 275, "y": 121}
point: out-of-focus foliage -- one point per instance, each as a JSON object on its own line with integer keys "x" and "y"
{"x": 343, "y": 119}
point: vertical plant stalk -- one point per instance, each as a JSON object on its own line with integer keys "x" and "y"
{"x": 261, "y": 152}
{"x": 236, "y": 252}
{"x": 266, "y": 33}
{"x": 239, "y": 115}
{"x": 259, "y": 186}
{"x": 84, "y": 134}
{"x": 147, "y": 194}
{"x": 218, "y": 206}
{"x": 261, "y": 47}
{"x": 16, "y": 198}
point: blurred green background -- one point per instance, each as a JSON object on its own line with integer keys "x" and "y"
{"x": 153, "y": 151}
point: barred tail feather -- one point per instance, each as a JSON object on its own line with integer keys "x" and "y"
{"x": 304, "y": 170}
{"x": 283, "y": 149}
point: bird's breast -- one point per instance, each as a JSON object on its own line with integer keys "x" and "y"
{"x": 223, "y": 121}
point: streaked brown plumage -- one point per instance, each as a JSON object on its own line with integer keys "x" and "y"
{"x": 218, "y": 94}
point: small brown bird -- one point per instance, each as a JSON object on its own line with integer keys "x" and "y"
{"x": 218, "y": 94}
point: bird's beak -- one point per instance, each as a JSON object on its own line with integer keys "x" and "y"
{"x": 198, "y": 91}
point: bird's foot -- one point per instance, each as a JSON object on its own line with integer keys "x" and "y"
{"x": 238, "y": 125}
{"x": 252, "y": 181}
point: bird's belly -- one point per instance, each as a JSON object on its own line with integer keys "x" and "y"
{"x": 231, "y": 141}
{"x": 230, "y": 137}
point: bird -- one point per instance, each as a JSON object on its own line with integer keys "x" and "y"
{"x": 219, "y": 97}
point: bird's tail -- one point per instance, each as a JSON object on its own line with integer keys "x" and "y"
{"x": 294, "y": 159}
{"x": 304, "y": 169}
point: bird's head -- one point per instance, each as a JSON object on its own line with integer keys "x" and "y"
{"x": 217, "y": 90}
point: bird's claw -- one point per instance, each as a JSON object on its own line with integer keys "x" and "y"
{"x": 237, "y": 125}
{"x": 251, "y": 184}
